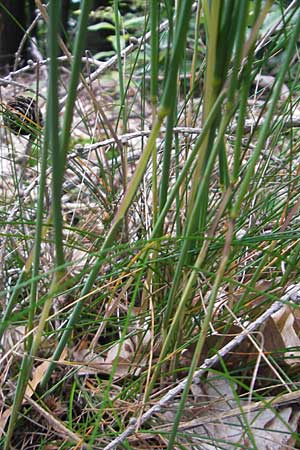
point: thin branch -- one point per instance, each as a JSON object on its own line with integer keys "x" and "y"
{"x": 56, "y": 424}
{"x": 134, "y": 44}
{"x": 292, "y": 122}
{"x": 292, "y": 294}
{"x": 24, "y": 39}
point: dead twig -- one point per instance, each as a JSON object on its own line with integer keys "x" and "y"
{"x": 292, "y": 294}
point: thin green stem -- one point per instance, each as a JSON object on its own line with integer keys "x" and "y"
{"x": 121, "y": 72}
{"x": 53, "y": 133}
{"x": 64, "y": 142}
{"x": 154, "y": 19}
{"x": 266, "y": 128}
{"x": 205, "y": 325}
{"x": 38, "y": 235}
{"x": 52, "y": 127}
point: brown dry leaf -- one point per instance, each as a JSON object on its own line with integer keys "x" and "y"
{"x": 13, "y": 336}
{"x": 219, "y": 422}
{"x": 3, "y": 419}
{"x": 282, "y": 331}
{"x": 126, "y": 355}
{"x": 216, "y": 341}
{"x": 131, "y": 357}
{"x": 38, "y": 374}
{"x": 90, "y": 362}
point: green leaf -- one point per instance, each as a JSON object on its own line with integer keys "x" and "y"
{"x": 101, "y": 26}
